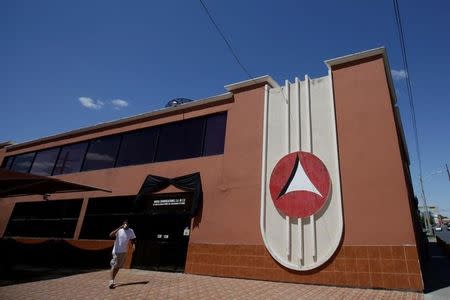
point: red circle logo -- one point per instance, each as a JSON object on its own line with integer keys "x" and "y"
{"x": 300, "y": 184}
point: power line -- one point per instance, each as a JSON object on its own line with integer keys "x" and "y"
{"x": 225, "y": 40}
{"x": 408, "y": 82}
{"x": 398, "y": 19}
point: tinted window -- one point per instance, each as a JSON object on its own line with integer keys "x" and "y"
{"x": 215, "y": 134}
{"x": 137, "y": 147}
{"x": 181, "y": 140}
{"x": 7, "y": 162}
{"x": 44, "y": 162}
{"x": 104, "y": 215}
{"x": 102, "y": 153}
{"x": 44, "y": 219}
{"x": 70, "y": 159}
{"x": 22, "y": 163}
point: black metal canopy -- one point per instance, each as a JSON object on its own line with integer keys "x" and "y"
{"x": 189, "y": 183}
{"x": 21, "y": 184}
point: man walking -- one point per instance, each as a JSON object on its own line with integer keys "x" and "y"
{"x": 123, "y": 235}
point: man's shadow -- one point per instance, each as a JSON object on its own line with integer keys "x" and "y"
{"x": 130, "y": 283}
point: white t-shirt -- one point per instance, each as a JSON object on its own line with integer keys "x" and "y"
{"x": 122, "y": 238}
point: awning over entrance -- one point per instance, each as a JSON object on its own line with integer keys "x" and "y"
{"x": 21, "y": 184}
{"x": 189, "y": 183}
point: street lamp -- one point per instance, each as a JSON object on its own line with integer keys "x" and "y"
{"x": 427, "y": 213}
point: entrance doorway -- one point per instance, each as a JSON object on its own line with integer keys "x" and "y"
{"x": 162, "y": 227}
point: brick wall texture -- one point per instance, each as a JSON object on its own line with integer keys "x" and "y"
{"x": 390, "y": 267}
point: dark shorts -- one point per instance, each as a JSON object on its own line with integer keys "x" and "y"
{"x": 118, "y": 260}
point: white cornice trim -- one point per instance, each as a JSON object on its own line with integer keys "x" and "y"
{"x": 354, "y": 56}
{"x": 5, "y": 144}
{"x": 246, "y": 83}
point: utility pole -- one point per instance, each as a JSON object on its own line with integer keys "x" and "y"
{"x": 448, "y": 172}
{"x": 427, "y": 214}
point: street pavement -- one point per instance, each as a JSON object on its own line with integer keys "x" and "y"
{"x": 138, "y": 284}
{"x": 47, "y": 283}
{"x": 444, "y": 234}
{"x": 436, "y": 274}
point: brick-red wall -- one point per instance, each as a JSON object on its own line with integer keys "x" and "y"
{"x": 391, "y": 267}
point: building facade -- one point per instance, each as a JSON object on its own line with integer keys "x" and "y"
{"x": 283, "y": 183}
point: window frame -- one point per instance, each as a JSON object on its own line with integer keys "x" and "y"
{"x": 5, "y": 162}
{"x": 69, "y": 145}
{"x": 111, "y": 136}
{"x": 54, "y": 164}
{"x": 31, "y": 164}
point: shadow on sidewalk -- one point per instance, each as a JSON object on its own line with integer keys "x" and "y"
{"x": 23, "y": 273}
{"x": 436, "y": 272}
{"x": 130, "y": 283}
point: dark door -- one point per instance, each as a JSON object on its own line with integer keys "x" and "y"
{"x": 162, "y": 236}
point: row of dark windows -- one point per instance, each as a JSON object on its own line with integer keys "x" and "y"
{"x": 190, "y": 138}
{"x": 44, "y": 219}
{"x": 105, "y": 214}
{"x": 58, "y": 219}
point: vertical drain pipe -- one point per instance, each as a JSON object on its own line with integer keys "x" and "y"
{"x": 299, "y": 220}
{"x": 312, "y": 219}
{"x": 288, "y": 146}
{"x": 264, "y": 158}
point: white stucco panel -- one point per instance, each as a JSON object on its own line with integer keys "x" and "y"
{"x": 300, "y": 116}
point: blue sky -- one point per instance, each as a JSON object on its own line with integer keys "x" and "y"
{"x": 120, "y": 58}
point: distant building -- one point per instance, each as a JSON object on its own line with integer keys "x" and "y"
{"x": 434, "y": 213}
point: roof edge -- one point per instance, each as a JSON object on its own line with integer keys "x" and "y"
{"x": 354, "y": 56}
{"x": 252, "y": 81}
{"x": 154, "y": 113}
{"x": 6, "y": 144}
{"x": 331, "y": 63}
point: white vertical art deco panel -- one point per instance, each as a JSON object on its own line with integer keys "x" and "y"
{"x": 300, "y": 116}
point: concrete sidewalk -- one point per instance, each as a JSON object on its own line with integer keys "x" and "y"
{"x": 138, "y": 284}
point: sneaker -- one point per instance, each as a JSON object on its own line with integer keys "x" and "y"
{"x": 111, "y": 284}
